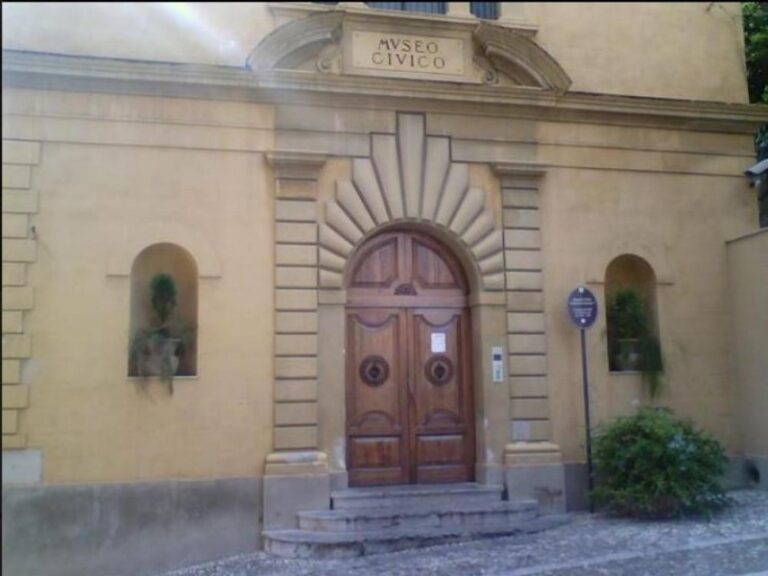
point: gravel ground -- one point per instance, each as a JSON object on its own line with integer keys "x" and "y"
{"x": 733, "y": 543}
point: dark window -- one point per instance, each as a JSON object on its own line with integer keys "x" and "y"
{"x": 486, "y": 10}
{"x": 429, "y": 7}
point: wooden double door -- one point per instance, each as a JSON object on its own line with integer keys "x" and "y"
{"x": 410, "y": 416}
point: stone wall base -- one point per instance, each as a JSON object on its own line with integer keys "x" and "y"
{"x": 489, "y": 474}
{"x": 294, "y": 481}
{"x": 127, "y": 529}
{"x": 534, "y": 470}
{"x": 576, "y": 487}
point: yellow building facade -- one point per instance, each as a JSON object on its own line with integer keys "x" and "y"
{"x": 255, "y": 150}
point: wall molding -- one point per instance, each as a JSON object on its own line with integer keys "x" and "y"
{"x": 78, "y": 73}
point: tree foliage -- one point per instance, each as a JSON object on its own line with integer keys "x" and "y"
{"x": 756, "y": 47}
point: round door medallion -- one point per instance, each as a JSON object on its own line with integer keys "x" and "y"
{"x": 439, "y": 370}
{"x": 374, "y": 370}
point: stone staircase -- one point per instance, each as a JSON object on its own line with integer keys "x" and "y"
{"x": 365, "y": 521}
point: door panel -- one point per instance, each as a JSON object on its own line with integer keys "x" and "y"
{"x": 440, "y": 450}
{"x": 442, "y": 405}
{"x": 381, "y": 266}
{"x": 429, "y": 270}
{"x": 376, "y": 400}
{"x": 409, "y": 389}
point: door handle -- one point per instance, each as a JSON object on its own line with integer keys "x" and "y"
{"x": 409, "y": 385}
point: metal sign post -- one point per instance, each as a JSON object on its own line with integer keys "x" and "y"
{"x": 582, "y": 308}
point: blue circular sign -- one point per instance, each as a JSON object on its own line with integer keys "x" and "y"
{"x": 582, "y": 307}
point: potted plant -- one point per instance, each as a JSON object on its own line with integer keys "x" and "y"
{"x": 634, "y": 344}
{"x": 628, "y": 319}
{"x": 156, "y": 351}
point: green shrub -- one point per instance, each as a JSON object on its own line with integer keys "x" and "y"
{"x": 653, "y": 465}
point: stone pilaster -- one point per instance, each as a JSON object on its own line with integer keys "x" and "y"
{"x": 295, "y": 299}
{"x": 526, "y": 331}
{"x": 296, "y": 474}
{"x": 19, "y": 251}
{"x": 533, "y": 465}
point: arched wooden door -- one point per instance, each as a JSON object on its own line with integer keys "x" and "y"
{"x": 410, "y": 416}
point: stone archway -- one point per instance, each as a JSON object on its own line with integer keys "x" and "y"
{"x": 409, "y": 179}
{"x": 410, "y": 182}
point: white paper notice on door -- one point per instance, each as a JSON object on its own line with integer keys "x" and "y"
{"x": 438, "y": 342}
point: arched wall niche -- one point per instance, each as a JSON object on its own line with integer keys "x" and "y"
{"x": 171, "y": 259}
{"x": 130, "y": 241}
{"x": 641, "y": 245}
{"x": 629, "y": 271}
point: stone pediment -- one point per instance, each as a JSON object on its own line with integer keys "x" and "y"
{"x": 375, "y": 45}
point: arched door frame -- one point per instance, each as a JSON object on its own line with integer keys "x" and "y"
{"x": 491, "y": 400}
{"x": 423, "y": 290}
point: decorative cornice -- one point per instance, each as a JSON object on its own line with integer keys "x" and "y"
{"x": 78, "y": 73}
{"x": 318, "y": 37}
{"x": 520, "y": 58}
{"x": 291, "y": 44}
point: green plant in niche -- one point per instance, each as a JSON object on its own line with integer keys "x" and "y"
{"x": 628, "y": 314}
{"x": 156, "y": 351}
{"x": 633, "y": 344}
{"x": 163, "y": 290}
{"x": 653, "y": 465}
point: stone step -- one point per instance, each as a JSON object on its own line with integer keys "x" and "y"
{"x": 362, "y": 519}
{"x": 424, "y": 496}
{"x": 306, "y": 544}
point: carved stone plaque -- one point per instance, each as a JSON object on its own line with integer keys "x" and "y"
{"x": 407, "y": 54}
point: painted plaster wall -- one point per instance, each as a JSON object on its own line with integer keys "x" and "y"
{"x": 672, "y": 197}
{"x": 748, "y": 275}
{"x": 687, "y": 50}
{"x": 117, "y": 174}
{"x": 697, "y": 47}
{"x": 115, "y": 170}
{"x": 679, "y": 224}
